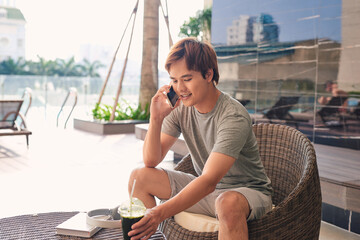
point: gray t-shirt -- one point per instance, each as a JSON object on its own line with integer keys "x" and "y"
{"x": 227, "y": 129}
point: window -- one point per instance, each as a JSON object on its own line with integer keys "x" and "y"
{"x": 3, "y": 13}
{"x": 20, "y": 43}
{"x": 4, "y": 42}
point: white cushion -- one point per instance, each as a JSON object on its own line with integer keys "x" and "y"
{"x": 197, "y": 222}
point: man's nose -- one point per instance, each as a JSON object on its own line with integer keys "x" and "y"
{"x": 181, "y": 86}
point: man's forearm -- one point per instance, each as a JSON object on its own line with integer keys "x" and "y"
{"x": 152, "y": 153}
{"x": 191, "y": 194}
{"x": 214, "y": 170}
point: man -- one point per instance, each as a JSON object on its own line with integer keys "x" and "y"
{"x": 232, "y": 184}
{"x": 333, "y": 88}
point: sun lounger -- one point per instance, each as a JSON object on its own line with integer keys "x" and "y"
{"x": 9, "y": 112}
{"x": 280, "y": 110}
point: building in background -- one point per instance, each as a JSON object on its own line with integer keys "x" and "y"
{"x": 12, "y": 32}
{"x": 247, "y": 29}
{"x": 240, "y": 31}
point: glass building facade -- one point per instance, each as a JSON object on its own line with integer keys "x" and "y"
{"x": 293, "y": 62}
{"x": 298, "y": 63}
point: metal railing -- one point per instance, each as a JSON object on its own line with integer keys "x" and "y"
{"x": 72, "y": 92}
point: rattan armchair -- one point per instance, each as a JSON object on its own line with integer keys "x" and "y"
{"x": 290, "y": 162}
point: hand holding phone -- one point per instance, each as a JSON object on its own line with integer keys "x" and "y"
{"x": 172, "y": 97}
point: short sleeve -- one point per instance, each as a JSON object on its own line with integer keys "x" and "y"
{"x": 232, "y": 134}
{"x": 171, "y": 124}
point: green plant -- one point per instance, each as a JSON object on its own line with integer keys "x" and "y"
{"x": 354, "y": 94}
{"x": 124, "y": 111}
{"x": 196, "y": 26}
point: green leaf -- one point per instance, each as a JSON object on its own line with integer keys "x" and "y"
{"x": 124, "y": 111}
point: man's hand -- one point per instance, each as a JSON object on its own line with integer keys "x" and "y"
{"x": 147, "y": 226}
{"x": 160, "y": 108}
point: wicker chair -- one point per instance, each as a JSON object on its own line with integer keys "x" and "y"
{"x": 290, "y": 162}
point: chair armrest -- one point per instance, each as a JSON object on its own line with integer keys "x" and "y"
{"x": 16, "y": 115}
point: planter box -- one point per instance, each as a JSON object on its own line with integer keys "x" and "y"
{"x": 102, "y": 127}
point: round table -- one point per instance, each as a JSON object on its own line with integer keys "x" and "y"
{"x": 42, "y": 227}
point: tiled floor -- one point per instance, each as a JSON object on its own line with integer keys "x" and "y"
{"x": 68, "y": 170}
{"x": 331, "y": 232}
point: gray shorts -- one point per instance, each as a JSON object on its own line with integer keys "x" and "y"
{"x": 259, "y": 203}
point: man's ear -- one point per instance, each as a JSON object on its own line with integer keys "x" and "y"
{"x": 209, "y": 75}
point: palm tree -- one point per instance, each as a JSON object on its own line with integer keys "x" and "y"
{"x": 12, "y": 67}
{"x": 68, "y": 68}
{"x": 90, "y": 69}
{"x": 149, "y": 67}
{"x": 45, "y": 67}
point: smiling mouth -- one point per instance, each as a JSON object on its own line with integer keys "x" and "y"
{"x": 185, "y": 96}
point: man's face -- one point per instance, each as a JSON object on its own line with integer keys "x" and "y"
{"x": 189, "y": 85}
{"x": 330, "y": 87}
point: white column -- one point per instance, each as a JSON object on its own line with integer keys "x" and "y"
{"x": 349, "y": 70}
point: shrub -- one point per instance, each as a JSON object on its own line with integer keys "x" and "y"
{"x": 124, "y": 111}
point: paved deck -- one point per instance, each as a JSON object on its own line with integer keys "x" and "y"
{"x": 66, "y": 170}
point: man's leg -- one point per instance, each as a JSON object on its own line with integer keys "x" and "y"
{"x": 232, "y": 209}
{"x": 150, "y": 183}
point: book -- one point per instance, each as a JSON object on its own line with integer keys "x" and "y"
{"x": 77, "y": 226}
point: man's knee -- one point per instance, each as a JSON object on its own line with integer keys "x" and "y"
{"x": 138, "y": 173}
{"x": 231, "y": 206}
{"x": 141, "y": 175}
{"x": 150, "y": 180}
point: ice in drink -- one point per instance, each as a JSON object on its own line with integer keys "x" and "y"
{"x": 131, "y": 214}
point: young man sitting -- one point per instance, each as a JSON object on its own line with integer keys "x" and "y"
{"x": 232, "y": 184}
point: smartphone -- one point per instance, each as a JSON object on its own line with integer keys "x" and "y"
{"x": 172, "y": 96}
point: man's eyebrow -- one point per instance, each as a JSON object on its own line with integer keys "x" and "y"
{"x": 183, "y": 76}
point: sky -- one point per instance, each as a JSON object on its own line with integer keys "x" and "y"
{"x": 58, "y": 28}
{"x": 297, "y": 20}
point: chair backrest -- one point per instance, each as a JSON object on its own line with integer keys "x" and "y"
{"x": 286, "y": 154}
{"x": 9, "y": 110}
{"x": 282, "y": 107}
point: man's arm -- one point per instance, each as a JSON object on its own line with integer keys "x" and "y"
{"x": 157, "y": 144}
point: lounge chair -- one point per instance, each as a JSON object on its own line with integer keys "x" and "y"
{"x": 356, "y": 111}
{"x": 9, "y": 112}
{"x": 280, "y": 111}
{"x": 351, "y": 117}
